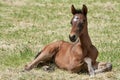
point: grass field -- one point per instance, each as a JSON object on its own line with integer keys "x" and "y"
{"x": 26, "y": 26}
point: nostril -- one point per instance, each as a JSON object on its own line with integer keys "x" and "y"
{"x": 72, "y": 38}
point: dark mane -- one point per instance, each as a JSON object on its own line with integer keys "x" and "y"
{"x": 78, "y": 11}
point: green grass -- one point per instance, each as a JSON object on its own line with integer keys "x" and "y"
{"x": 26, "y": 26}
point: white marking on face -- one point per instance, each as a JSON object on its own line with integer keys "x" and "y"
{"x": 75, "y": 18}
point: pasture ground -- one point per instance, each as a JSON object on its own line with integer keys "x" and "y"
{"x": 26, "y": 26}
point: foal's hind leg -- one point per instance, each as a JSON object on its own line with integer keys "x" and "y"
{"x": 102, "y": 67}
{"x": 46, "y": 54}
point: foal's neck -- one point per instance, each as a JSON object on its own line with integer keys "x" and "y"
{"x": 85, "y": 39}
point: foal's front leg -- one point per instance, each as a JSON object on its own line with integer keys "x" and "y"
{"x": 90, "y": 67}
{"x": 101, "y": 67}
{"x": 46, "y": 54}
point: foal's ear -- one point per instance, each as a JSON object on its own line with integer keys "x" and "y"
{"x": 84, "y": 9}
{"x": 73, "y": 10}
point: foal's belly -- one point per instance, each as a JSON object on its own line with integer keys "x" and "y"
{"x": 69, "y": 59}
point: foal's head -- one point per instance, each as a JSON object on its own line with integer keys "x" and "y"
{"x": 78, "y": 22}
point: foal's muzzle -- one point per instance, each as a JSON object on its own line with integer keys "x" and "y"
{"x": 73, "y": 38}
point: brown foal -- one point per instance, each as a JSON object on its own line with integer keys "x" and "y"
{"x": 77, "y": 56}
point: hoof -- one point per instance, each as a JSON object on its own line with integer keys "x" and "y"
{"x": 27, "y": 68}
{"x": 48, "y": 68}
{"x": 92, "y": 76}
{"x": 109, "y": 67}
